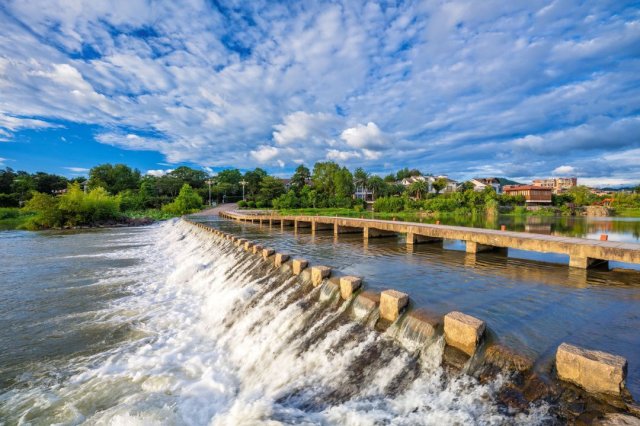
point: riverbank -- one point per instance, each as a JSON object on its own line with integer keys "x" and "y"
{"x": 15, "y": 219}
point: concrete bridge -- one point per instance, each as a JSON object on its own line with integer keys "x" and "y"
{"x": 583, "y": 253}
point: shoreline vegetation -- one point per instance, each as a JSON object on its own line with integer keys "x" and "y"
{"x": 117, "y": 195}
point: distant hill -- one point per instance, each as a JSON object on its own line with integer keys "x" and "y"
{"x": 505, "y": 181}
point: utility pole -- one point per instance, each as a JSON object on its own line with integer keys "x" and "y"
{"x": 243, "y": 183}
{"x": 208, "y": 181}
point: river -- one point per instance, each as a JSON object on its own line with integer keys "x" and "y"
{"x": 157, "y": 325}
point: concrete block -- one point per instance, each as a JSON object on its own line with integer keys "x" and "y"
{"x": 248, "y": 246}
{"x": 463, "y": 331}
{"x": 299, "y": 265}
{"x": 348, "y": 285}
{"x": 319, "y": 273}
{"x": 267, "y": 252}
{"x": 392, "y": 302}
{"x": 594, "y": 371}
{"x": 280, "y": 259}
{"x": 257, "y": 248}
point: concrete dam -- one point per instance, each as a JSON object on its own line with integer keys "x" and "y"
{"x": 455, "y": 346}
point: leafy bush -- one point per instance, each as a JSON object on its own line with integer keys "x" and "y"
{"x": 389, "y": 204}
{"x": 242, "y": 204}
{"x": 251, "y": 204}
{"x": 187, "y": 201}
{"x": 74, "y": 208}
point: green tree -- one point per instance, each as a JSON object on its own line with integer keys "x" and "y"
{"x": 418, "y": 188}
{"x": 114, "y": 178}
{"x": 253, "y": 180}
{"x": 360, "y": 178}
{"x": 405, "y": 173}
{"x": 343, "y": 185}
{"x": 300, "y": 178}
{"x": 581, "y": 195}
{"x": 391, "y": 178}
{"x": 194, "y": 178}
{"x": 439, "y": 184}
{"x": 187, "y": 201}
{"x": 48, "y": 183}
{"x": 323, "y": 174}
{"x": 378, "y": 186}
{"x": 46, "y": 208}
{"x": 270, "y": 189}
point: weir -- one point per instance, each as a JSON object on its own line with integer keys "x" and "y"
{"x": 463, "y": 337}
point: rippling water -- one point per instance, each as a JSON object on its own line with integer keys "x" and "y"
{"x": 161, "y": 325}
{"x": 529, "y": 301}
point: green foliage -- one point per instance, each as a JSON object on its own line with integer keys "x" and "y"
{"x": 581, "y": 195}
{"x": 405, "y": 173}
{"x": 270, "y": 189}
{"x": 439, "y": 184}
{"x": 242, "y": 204}
{"x": 75, "y": 208}
{"x": 389, "y": 204}
{"x": 300, "y": 178}
{"x": 114, "y": 178}
{"x": 418, "y": 189}
{"x": 187, "y": 201}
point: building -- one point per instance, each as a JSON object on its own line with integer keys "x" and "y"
{"x": 479, "y": 184}
{"x": 451, "y": 186}
{"x": 557, "y": 185}
{"x": 533, "y": 195}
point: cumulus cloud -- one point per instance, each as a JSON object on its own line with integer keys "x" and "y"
{"x": 564, "y": 170}
{"x": 448, "y": 87}
{"x": 158, "y": 172}
{"x": 366, "y": 137}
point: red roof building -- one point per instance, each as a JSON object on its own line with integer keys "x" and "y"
{"x": 533, "y": 195}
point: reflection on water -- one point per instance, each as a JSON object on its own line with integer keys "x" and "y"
{"x": 529, "y": 303}
{"x": 625, "y": 229}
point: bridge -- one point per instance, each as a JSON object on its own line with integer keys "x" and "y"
{"x": 583, "y": 253}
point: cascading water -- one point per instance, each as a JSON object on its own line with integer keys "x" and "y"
{"x": 216, "y": 336}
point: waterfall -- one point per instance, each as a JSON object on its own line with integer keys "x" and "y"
{"x": 225, "y": 338}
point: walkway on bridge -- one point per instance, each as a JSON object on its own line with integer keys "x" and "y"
{"x": 583, "y": 253}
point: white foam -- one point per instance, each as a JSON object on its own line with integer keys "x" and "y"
{"x": 194, "y": 366}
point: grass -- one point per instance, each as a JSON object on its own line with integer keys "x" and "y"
{"x": 628, "y": 212}
{"x": 155, "y": 214}
{"x": 13, "y": 218}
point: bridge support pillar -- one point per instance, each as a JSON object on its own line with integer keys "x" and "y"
{"x": 377, "y": 233}
{"x": 473, "y": 247}
{"x": 315, "y": 226}
{"x": 337, "y": 229}
{"x": 586, "y": 262}
{"x": 421, "y": 239}
{"x": 300, "y": 224}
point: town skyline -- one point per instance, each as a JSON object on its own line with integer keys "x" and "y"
{"x": 465, "y": 90}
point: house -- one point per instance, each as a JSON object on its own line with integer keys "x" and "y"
{"x": 451, "y": 186}
{"x": 533, "y": 195}
{"x": 479, "y": 184}
{"x": 557, "y": 185}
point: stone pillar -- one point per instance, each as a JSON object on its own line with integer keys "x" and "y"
{"x": 473, "y": 247}
{"x": 299, "y": 265}
{"x": 586, "y": 262}
{"x": 392, "y": 302}
{"x": 248, "y": 245}
{"x": 348, "y": 285}
{"x": 376, "y": 233}
{"x": 319, "y": 273}
{"x": 594, "y": 371}
{"x": 463, "y": 331}
{"x": 280, "y": 259}
{"x": 257, "y": 248}
{"x": 421, "y": 239}
{"x": 267, "y": 252}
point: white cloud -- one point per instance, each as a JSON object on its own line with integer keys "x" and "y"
{"x": 336, "y": 155}
{"x": 158, "y": 172}
{"x": 77, "y": 169}
{"x": 361, "y": 136}
{"x": 302, "y": 126}
{"x": 564, "y": 170}
{"x": 525, "y": 88}
{"x": 265, "y": 153}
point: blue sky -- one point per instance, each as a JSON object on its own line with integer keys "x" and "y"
{"x": 464, "y": 88}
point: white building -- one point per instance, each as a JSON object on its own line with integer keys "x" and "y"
{"x": 452, "y": 185}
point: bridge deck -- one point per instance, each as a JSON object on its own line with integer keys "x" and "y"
{"x": 582, "y": 252}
